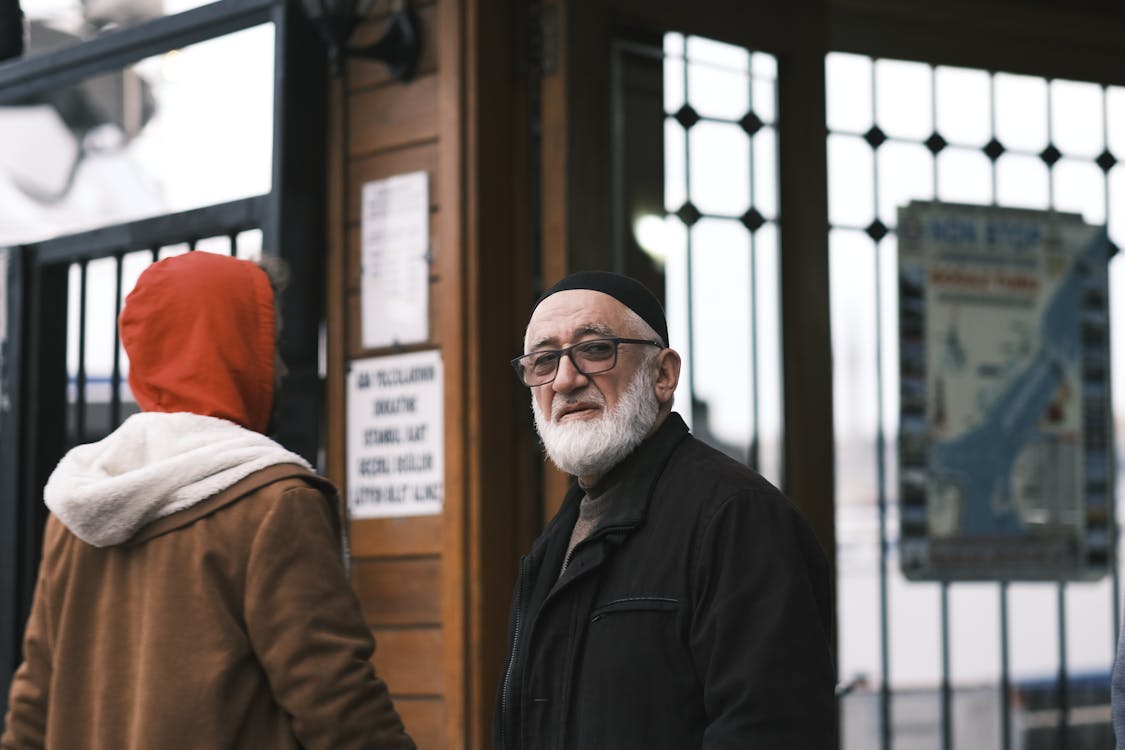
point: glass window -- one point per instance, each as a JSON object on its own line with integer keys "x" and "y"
{"x": 718, "y": 243}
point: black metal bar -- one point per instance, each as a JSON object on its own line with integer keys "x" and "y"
{"x": 946, "y": 689}
{"x": 1111, "y": 494}
{"x": 115, "y": 376}
{"x": 43, "y": 414}
{"x": 689, "y": 273}
{"x": 210, "y": 221}
{"x": 295, "y": 224}
{"x": 12, "y": 264}
{"x": 1050, "y": 141}
{"x": 946, "y": 683}
{"x": 886, "y": 719}
{"x": 1063, "y": 685}
{"x": 617, "y": 159}
{"x": 80, "y": 374}
{"x": 233, "y": 238}
{"x": 24, "y": 77}
{"x": 753, "y": 458}
{"x": 1005, "y": 673}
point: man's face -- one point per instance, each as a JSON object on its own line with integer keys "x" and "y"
{"x": 566, "y": 318}
{"x": 590, "y": 423}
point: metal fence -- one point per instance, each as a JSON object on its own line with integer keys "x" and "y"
{"x": 902, "y": 131}
{"x": 50, "y": 403}
{"x": 695, "y": 150}
{"x": 61, "y": 296}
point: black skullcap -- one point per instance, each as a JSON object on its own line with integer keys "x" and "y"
{"x": 626, "y": 290}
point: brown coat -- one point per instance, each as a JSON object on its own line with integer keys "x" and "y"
{"x": 230, "y": 624}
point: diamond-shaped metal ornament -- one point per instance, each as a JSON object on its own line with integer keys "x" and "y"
{"x": 686, "y": 116}
{"x": 876, "y": 230}
{"x": 1106, "y": 160}
{"x": 875, "y": 137}
{"x": 751, "y": 123}
{"x": 688, "y": 214}
{"x": 993, "y": 150}
{"x": 1050, "y": 155}
{"x": 752, "y": 220}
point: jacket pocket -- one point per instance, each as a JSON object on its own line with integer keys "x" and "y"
{"x": 635, "y": 604}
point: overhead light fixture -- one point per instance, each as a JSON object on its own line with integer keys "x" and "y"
{"x": 651, "y": 234}
{"x": 399, "y": 47}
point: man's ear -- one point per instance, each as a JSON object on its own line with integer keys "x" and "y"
{"x": 667, "y": 375}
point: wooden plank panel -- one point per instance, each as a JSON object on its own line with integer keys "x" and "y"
{"x": 367, "y": 72}
{"x": 555, "y": 206}
{"x": 410, "y": 660}
{"x": 393, "y": 116}
{"x": 399, "y": 592}
{"x": 411, "y": 535}
{"x": 422, "y": 157}
{"x": 424, "y": 719}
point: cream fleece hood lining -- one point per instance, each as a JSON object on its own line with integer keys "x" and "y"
{"x": 152, "y": 466}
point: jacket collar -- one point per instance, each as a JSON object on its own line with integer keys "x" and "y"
{"x": 629, "y": 485}
{"x": 153, "y": 465}
{"x": 232, "y": 494}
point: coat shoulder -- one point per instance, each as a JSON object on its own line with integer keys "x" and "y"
{"x": 264, "y": 487}
{"x": 714, "y": 479}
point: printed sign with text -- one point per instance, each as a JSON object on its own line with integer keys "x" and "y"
{"x": 395, "y": 436}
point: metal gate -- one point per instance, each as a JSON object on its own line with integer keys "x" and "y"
{"x": 901, "y": 131}
{"x": 48, "y": 399}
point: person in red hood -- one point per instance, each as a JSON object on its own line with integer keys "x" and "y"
{"x": 193, "y": 591}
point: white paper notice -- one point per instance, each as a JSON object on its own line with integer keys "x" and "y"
{"x": 395, "y": 436}
{"x": 394, "y": 273}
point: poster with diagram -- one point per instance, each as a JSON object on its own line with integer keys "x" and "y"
{"x": 1005, "y": 441}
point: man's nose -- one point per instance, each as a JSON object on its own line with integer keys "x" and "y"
{"x": 568, "y": 377}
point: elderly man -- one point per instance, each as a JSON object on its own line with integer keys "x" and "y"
{"x": 677, "y": 600}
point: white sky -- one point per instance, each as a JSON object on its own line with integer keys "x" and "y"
{"x": 210, "y": 140}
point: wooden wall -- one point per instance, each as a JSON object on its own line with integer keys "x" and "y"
{"x": 381, "y": 128}
{"x": 435, "y": 589}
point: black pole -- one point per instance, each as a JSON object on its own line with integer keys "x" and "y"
{"x": 11, "y": 30}
{"x": 946, "y": 683}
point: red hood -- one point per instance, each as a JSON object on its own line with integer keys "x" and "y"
{"x": 198, "y": 329}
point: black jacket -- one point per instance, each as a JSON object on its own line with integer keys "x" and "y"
{"x": 696, "y": 615}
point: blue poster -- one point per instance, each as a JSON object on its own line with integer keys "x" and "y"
{"x": 1005, "y": 432}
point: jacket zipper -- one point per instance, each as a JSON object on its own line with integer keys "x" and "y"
{"x": 506, "y": 718}
{"x": 506, "y": 693}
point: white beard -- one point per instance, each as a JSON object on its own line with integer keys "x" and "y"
{"x": 593, "y": 447}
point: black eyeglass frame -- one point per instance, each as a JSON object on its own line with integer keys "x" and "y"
{"x": 567, "y": 352}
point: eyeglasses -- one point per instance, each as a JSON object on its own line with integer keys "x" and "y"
{"x": 589, "y": 358}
